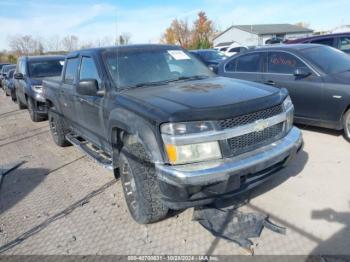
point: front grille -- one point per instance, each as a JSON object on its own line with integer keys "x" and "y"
{"x": 251, "y": 141}
{"x": 251, "y": 118}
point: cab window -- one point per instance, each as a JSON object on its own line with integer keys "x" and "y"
{"x": 88, "y": 69}
{"x": 71, "y": 70}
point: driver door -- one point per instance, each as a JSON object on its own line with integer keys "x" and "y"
{"x": 90, "y": 108}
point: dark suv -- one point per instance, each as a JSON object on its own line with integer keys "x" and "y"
{"x": 340, "y": 41}
{"x": 30, "y": 72}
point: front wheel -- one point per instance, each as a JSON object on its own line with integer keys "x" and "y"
{"x": 346, "y": 124}
{"x": 13, "y": 96}
{"x": 34, "y": 115}
{"x": 140, "y": 186}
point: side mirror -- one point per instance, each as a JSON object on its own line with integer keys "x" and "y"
{"x": 18, "y": 76}
{"x": 87, "y": 87}
{"x": 302, "y": 72}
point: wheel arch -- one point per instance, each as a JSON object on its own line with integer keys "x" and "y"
{"x": 128, "y": 127}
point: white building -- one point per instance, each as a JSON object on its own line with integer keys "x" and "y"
{"x": 251, "y": 35}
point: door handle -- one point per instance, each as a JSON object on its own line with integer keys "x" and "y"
{"x": 270, "y": 83}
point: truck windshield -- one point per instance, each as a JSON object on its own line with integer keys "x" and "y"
{"x": 45, "y": 68}
{"x": 136, "y": 68}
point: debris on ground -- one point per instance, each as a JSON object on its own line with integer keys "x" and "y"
{"x": 234, "y": 225}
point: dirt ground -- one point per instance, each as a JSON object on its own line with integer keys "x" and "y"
{"x": 60, "y": 202}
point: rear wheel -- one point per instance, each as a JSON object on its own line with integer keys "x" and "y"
{"x": 346, "y": 124}
{"x": 58, "y": 129}
{"x": 140, "y": 186}
{"x": 34, "y": 115}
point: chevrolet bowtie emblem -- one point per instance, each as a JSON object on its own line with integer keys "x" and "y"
{"x": 260, "y": 125}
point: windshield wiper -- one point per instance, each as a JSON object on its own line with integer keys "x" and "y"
{"x": 157, "y": 83}
{"x": 164, "y": 82}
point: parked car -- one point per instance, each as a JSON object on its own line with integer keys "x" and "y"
{"x": 1, "y": 66}
{"x": 235, "y": 50}
{"x": 4, "y": 71}
{"x": 231, "y": 49}
{"x": 340, "y": 41}
{"x": 30, "y": 72}
{"x": 180, "y": 135}
{"x": 274, "y": 40}
{"x": 316, "y": 76}
{"x": 210, "y": 57}
{"x": 9, "y": 85}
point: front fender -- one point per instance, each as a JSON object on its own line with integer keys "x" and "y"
{"x": 138, "y": 127}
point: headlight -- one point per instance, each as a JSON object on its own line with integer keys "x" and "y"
{"x": 186, "y": 128}
{"x": 189, "y": 153}
{"x": 289, "y": 109}
{"x": 193, "y": 153}
{"x": 37, "y": 88}
{"x": 287, "y": 103}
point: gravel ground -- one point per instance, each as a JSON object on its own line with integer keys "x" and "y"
{"x": 60, "y": 202}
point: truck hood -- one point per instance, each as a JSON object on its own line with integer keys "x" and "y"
{"x": 211, "y": 98}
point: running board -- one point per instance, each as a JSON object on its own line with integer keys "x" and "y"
{"x": 91, "y": 151}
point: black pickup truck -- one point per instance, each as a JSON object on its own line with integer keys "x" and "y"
{"x": 177, "y": 134}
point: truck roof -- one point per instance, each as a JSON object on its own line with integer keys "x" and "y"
{"x": 135, "y": 47}
{"x": 42, "y": 57}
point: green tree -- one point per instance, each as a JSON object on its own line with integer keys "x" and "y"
{"x": 203, "y": 32}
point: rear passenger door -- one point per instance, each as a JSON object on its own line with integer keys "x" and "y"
{"x": 246, "y": 67}
{"x": 306, "y": 92}
{"x": 67, "y": 92}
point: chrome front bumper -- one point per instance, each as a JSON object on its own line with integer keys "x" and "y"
{"x": 220, "y": 170}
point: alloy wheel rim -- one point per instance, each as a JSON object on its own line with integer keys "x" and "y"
{"x": 53, "y": 127}
{"x": 130, "y": 186}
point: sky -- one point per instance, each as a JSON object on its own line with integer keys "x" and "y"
{"x": 147, "y": 20}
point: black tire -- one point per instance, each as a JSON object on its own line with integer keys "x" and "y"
{"x": 13, "y": 96}
{"x": 346, "y": 125}
{"x": 20, "y": 104}
{"x": 140, "y": 186}
{"x": 58, "y": 129}
{"x": 34, "y": 115}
